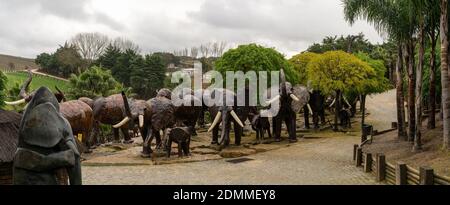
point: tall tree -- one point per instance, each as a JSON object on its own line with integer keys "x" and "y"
{"x": 338, "y": 72}
{"x": 398, "y": 19}
{"x": 444, "y": 73}
{"x": 122, "y": 68}
{"x": 109, "y": 57}
{"x": 90, "y": 45}
{"x": 432, "y": 29}
{"x": 147, "y": 75}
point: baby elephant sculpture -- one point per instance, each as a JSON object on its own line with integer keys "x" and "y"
{"x": 260, "y": 125}
{"x": 181, "y": 136}
{"x": 345, "y": 117}
{"x": 46, "y": 144}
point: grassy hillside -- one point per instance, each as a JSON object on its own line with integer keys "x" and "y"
{"x": 38, "y": 81}
{"x": 18, "y": 63}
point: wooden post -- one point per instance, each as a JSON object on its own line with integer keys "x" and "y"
{"x": 400, "y": 174}
{"x": 426, "y": 176}
{"x": 394, "y": 125}
{"x": 359, "y": 157}
{"x": 355, "y": 147}
{"x": 368, "y": 163}
{"x": 381, "y": 167}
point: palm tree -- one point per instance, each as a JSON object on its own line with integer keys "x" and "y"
{"x": 432, "y": 29}
{"x": 397, "y": 19}
{"x": 444, "y": 72}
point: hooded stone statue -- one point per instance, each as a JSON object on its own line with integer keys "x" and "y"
{"x": 46, "y": 144}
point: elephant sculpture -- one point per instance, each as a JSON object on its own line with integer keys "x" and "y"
{"x": 181, "y": 136}
{"x": 290, "y": 104}
{"x": 139, "y": 112}
{"x": 46, "y": 144}
{"x": 111, "y": 111}
{"x": 226, "y": 111}
{"x": 317, "y": 105}
{"x": 78, "y": 113}
{"x": 260, "y": 125}
{"x": 186, "y": 111}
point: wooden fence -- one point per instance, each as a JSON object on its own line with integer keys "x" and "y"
{"x": 395, "y": 174}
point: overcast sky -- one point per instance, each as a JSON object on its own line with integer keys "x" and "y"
{"x": 28, "y": 28}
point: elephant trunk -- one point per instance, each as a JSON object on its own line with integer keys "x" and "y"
{"x": 225, "y": 134}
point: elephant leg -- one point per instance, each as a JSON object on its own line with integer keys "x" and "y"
{"x": 238, "y": 130}
{"x": 185, "y": 148}
{"x": 180, "y": 149}
{"x": 87, "y": 142}
{"x": 322, "y": 116}
{"x": 157, "y": 135}
{"x": 290, "y": 124}
{"x": 268, "y": 132}
{"x": 169, "y": 147}
{"x": 257, "y": 136}
{"x": 277, "y": 129}
{"x": 215, "y": 137}
{"x": 316, "y": 120}
{"x": 306, "y": 116}
{"x": 116, "y": 135}
{"x": 126, "y": 136}
{"x": 93, "y": 138}
{"x": 261, "y": 132}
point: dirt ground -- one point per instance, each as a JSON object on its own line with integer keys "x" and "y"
{"x": 397, "y": 150}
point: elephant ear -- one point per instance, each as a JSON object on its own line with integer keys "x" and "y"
{"x": 302, "y": 94}
{"x": 43, "y": 126}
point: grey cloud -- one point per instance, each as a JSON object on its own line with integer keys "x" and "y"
{"x": 31, "y": 27}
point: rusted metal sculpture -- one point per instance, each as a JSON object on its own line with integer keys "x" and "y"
{"x": 78, "y": 113}
{"x": 46, "y": 144}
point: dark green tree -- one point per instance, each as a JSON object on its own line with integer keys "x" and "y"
{"x": 147, "y": 75}
{"x": 3, "y": 80}
{"x": 254, "y": 57}
{"x": 109, "y": 57}
{"x": 122, "y": 68}
{"x": 92, "y": 83}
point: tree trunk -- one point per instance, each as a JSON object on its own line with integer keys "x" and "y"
{"x": 432, "y": 96}
{"x": 337, "y": 109}
{"x": 418, "y": 134}
{"x": 363, "y": 110}
{"x": 400, "y": 96}
{"x": 411, "y": 90}
{"x": 444, "y": 74}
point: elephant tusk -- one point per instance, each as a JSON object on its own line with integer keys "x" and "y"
{"x": 309, "y": 108}
{"x": 332, "y": 103}
{"x": 141, "y": 121}
{"x": 236, "y": 118}
{"x": 273, "y": 100}
{"x": 18, "y": 102}
{"x": 216, "y": 120}
{"x": 295, "y": 98}
{"x": 346, "y": 101}
{"x": 121, "y": 123}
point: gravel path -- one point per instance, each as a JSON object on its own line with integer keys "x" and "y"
{"x": 318, "y": 161}
{"x": 311, "y": 161}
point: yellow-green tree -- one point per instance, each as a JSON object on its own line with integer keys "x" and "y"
{"x": 337, "y": 71}
{"x": 300, "y": 63}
